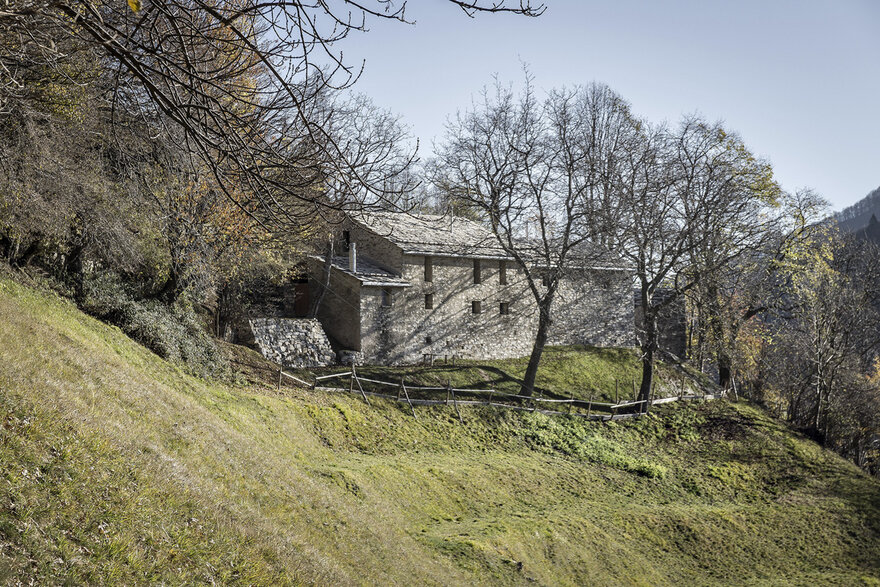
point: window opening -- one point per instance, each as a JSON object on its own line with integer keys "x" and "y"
{"x": 429, "y": 269}
{"x": 476, "y": 307}
{"x": 477, "y": 275}
{"x": 502, "y": 272}
{"x": 429, "y": 301}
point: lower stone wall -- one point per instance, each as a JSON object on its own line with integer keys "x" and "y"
{"x": 293, "y": 342}
{"x": 592, "y": 307}
{"x": 671, "y": 322}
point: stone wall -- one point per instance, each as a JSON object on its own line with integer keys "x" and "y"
{"x": 293, "y": 342}
{"x": 377, "y": 248}
{"x": 592, "y": 308}
{"x": 339, "y": 311}
{"x": 671, "y": 322}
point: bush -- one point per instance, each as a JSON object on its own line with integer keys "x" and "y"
{"x": 172, "y": 332}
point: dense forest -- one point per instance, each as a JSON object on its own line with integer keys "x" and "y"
{"x": 857, "y": 216}
{"x": 162, "y": 163}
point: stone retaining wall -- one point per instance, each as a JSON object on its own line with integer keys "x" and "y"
{"x": 293, "y": 342}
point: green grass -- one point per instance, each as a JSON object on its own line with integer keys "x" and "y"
{"x": 565, "y": 372}
{"x": 118, "y": 468}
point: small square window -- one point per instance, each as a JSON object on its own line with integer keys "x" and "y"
{"x": 429, "y": 269}
{"x": 504, "y": 308}
{"x": 429, "y": 340}
{"x": 502, "y": 272}
{"x": 429, "y": 301}
{"x": 477, "y": 275}
{"x": 386, "y": 297}
{"x": 476, "y": 307}
{"x": 545, "y": 279}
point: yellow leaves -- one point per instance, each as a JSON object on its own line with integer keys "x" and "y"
{"x": 135, "y": 5}
{"x": 874, "y": 378}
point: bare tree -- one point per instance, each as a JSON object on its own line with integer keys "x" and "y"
{"x": 686, "y": 204}
{"x": 526, "y": 166}
{"x": 737, "y": 226}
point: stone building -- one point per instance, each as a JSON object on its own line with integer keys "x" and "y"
{"x": 404, "y": 286}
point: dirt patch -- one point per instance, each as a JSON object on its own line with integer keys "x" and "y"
{"x": 249, "y": 364}
{"x": 725, "y": 427}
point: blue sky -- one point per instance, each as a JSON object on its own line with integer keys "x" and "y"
{"x": 799, "y": 80}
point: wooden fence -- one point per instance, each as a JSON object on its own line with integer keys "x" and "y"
{"x": 416, "y": 395}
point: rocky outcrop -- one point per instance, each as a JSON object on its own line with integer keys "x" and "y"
{"x": 293, "y": 342}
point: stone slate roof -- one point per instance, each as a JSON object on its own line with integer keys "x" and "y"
{"x": 433, "y": 234}
{"x": 368, "y": 273}
{"x": 446, "y": 235}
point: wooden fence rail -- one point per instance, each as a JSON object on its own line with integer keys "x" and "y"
{"x": 640, "y": 407}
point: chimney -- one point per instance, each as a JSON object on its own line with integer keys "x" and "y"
{"x": 352, "y": 257}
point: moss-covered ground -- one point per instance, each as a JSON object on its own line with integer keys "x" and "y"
{"x": 118, "y": 468}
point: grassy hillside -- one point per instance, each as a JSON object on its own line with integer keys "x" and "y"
{"x": 119, "y": 468}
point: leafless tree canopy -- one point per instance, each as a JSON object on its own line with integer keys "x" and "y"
{"x": 252, "y": 86}
{"x": 527, "y": 167}
{"x": 554, "y": 178}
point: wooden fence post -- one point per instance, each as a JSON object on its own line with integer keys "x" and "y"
{"x": 455, "y": 403}
{"x": 351, "y": 380}
{"x": 590, "y": 406}
{"x": 409, "y": 401}
{"x": 616, "y": 391}
{"x": 448, "y": 388}
{"x": 355, "y": 378}
{"x": 280, "y": 371}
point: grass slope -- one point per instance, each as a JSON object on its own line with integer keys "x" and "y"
{"x": 119, "y": 468}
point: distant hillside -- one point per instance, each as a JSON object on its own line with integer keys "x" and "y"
{"x": 872, "y": 231}
{"x": 116, "y": 468}
{"x": 857, "y": 216}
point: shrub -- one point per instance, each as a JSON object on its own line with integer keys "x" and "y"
{"x": 172, "y": 332}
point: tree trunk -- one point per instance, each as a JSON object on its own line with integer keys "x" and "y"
{"x": 328, "y": 267}
{"x": 171, "y": 289}
{"x": 24, "y": 259}
{"x": 716, "y": 320}
{"x": 222, "y": 316}
{"x": 724, "y": 367}
{"x": 5, "y": 247}
{"x": 544, "y": 321}
{"x": 76, "y": 269}
{"x": 647, "y": 373}
{"x": 649, "y": 347}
